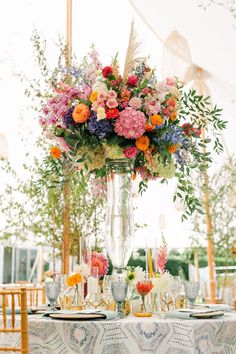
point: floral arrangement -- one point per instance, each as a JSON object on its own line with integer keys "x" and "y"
{"x": 100, "y": 261}
{"x": 94, "y": 113}
{"x": 143, "y": 288}
{"x": 74, "y": 279}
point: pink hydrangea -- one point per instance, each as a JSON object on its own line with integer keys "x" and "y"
{"x": 130, "y": 123}
{"x": 135, "y": 102}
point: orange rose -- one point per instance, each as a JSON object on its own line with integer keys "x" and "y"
{"x": 173, "y": 116}
{"x": 156, "y": 119}
{"x": 171, "y": 148}
{"x": 55, "y": 152}
{"x": 149, "y": 127}
{"x": 81, "y": 113}
{"x": 142, "y": 143}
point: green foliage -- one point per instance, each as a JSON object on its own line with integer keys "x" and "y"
{"x": 197, "y": 110}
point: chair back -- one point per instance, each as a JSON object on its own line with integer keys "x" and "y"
{"x": 35, "y": 296}
{"x": 8, "y": 323}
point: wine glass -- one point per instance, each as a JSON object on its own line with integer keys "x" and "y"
{"x": 119, "y": 292}
{"x": 191, "y": 289}
{"x": 52, "y": 292}
{"x": 175, "y": 288}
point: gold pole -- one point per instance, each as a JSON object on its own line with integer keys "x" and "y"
{"x": 209, "y": 232}
{"x": 200, "y": 87}
{"x": 66, "y": 244}
{"x": 68, "y": 31}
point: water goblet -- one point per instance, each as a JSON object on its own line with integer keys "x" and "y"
{"x": 119, "y": 290}
{"x": 191, "y": 289}
{"x": 52, "y": 293}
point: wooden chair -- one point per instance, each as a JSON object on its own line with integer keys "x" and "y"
{"x": 8, "y": 321}
{"x": 36, "y": 296}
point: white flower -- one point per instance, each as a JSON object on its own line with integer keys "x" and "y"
{"x": 135, "y": 275}
{"x": 139, "y": 274}
{"x": 82, "y": 269}
{"x": 101, "y": 114}
{"x": 161, "y": 97}
{"x": 99, "y": 86}
{"x": 164, "y": 282}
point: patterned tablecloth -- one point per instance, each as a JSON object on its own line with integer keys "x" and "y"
{"x": 131, "y": 336}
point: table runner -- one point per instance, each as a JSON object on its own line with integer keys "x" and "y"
{"x": 132, "y": 336}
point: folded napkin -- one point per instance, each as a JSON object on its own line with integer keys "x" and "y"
{"x": 189, "y": 314}
{"x": 109, "y": 315}
{"x": 220, "y": 307}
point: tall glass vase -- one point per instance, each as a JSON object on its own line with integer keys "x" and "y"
{"x": 119, "y": 233}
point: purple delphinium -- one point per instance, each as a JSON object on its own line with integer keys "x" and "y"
{"x": 102, "y": 128}
{"x": 68, "y": 119}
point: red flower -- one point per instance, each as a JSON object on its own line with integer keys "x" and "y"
{"x": 106, "y": 71}
{"x": 186, "y": 128}
{"x": 196, "y": 131}
{"x": 144, "y": 287}
{"x": 132, "y": 80}
{"x": 190, "y": 131}
{"x": 112, "y": 113}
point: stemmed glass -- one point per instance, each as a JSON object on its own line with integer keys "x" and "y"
{"x": 175, "y": 288}
{"x": 119, "y": 290}
{"x": 52, "y": 292}
{"x": 191, "y": 289}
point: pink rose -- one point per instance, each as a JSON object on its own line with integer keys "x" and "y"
{"x": 135, "y": 102}
{"x": 112, "y": 94}
{"x": 111, "y": 103}
{"x": 145, "y": 91}
{"x": 102, "y": 96}
{"x": 130, "y": 152}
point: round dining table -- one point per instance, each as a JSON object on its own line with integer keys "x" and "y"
{"x": 131, "y": 335}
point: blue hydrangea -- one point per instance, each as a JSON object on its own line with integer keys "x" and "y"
{"x": 102, "y": 128}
